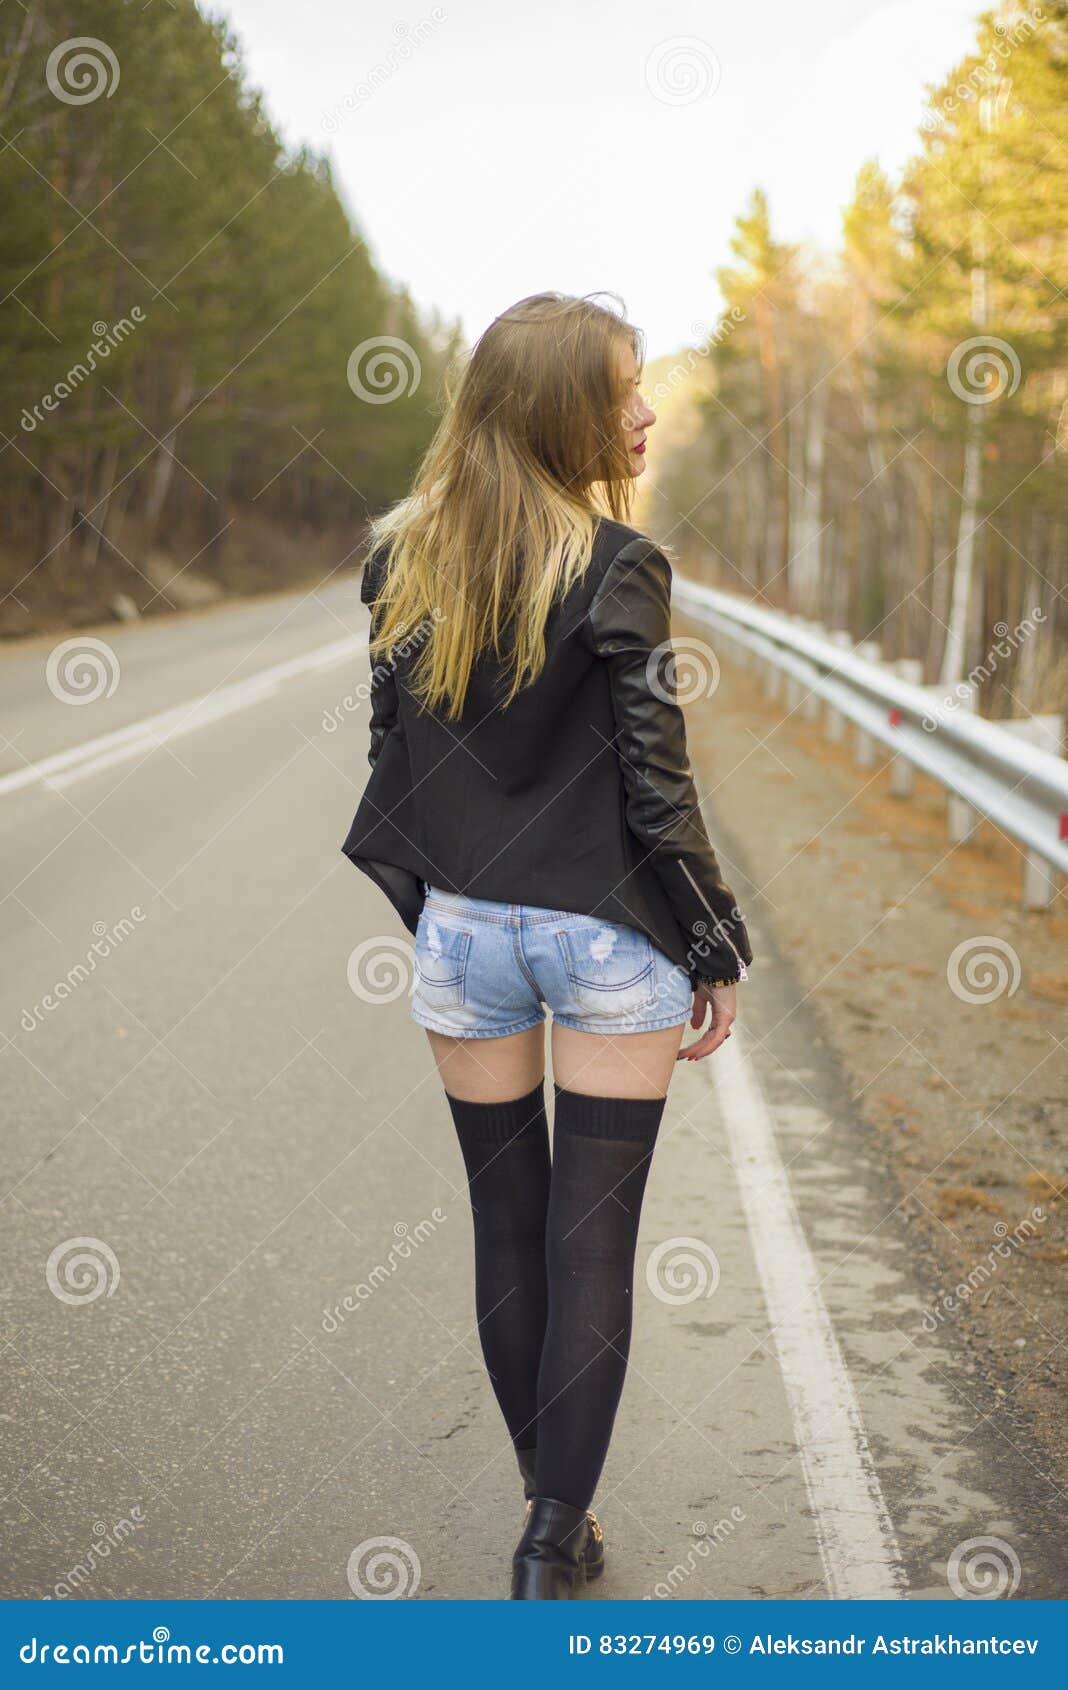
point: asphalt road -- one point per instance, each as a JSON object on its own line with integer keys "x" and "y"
{"x": 237, "y": 1324}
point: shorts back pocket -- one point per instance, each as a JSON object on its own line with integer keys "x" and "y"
{"x": 610, "y": 969}
{"x": 440, "y": 963}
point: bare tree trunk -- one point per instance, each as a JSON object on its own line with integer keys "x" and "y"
{"x": 163, "y": 468}
{"x": 960, "y": 615}
{"x": 29, "y": 19}
{"x": 776, "y": 442}
{"x": 964, "y": 568}
{"x": 895, "y": 562}
{"x": 808, "y": 560}
{"x": 104, "y": 479}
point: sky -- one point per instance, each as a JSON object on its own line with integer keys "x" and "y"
{"x": 490, "y": 151}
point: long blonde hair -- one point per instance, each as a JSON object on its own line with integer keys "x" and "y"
{"x": 501, "y": 518}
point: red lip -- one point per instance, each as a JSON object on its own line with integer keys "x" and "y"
{"x": 640, "y": 448}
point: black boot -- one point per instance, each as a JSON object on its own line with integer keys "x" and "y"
{"x": 549, "y": 1564}
{"x": 593, "y": 1554}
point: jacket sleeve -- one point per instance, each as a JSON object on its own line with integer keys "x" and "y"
{"x": 383, "y": 678}
{"x": 629, "y": 623}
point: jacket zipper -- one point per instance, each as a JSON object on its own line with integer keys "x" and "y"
{"x": 742, "y": 975}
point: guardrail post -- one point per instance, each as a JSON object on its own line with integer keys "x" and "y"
{"x": 1039, "y": 882}
{"x": 834, "y": 721}
{"x": 1040, "y": 877}
{"x": 902, "y": 772}
{"x": 864, "y": 744}
{"x": 805, "y": 700}
{"x": 961, "y": 819}
{"x": 772, "y": 674}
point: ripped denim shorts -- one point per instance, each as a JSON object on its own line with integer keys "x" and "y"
{"x": 483, "y": 970}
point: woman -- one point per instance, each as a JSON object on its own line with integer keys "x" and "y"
{"x": 532, "y": 816}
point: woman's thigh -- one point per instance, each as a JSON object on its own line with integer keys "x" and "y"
{"x": 599, "y": 1065}
{"x": 490, "y": 1070}
{"x": 619, "y": 1005}
{"x": 615, "y": 1065}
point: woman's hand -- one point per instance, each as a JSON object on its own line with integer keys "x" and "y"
{"x": 722, "y": 1001}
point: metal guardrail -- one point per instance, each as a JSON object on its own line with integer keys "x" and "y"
{"x": 987, "y": 770}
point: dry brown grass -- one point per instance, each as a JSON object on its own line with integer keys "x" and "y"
{"x": 1047, "y": 1188}
{"x": 953, "y": 1198}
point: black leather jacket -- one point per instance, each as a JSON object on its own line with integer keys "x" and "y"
{"x": 577, "y": 796}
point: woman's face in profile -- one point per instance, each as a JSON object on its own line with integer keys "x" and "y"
{"x": 638, "y": 417}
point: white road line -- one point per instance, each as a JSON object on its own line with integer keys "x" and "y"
{"x": 856, "y": 1536}
{"x": 63, "y": 768}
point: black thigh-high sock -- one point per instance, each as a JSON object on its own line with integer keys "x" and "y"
{"x": 602, "y": 1147}
{"x": 505, "y": 1149}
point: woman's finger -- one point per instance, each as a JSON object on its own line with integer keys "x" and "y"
{"x": 709, "y": 1042}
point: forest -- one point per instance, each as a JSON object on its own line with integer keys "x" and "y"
{"x": 196, "y": 337}
{"x": 198, "y": 342}
{"x": 876, "y": 439}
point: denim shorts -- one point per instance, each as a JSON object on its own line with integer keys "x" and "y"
{"x": 483, "y": 970}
